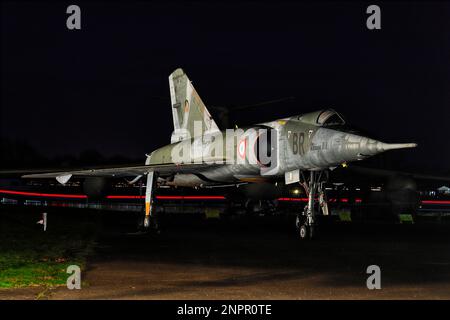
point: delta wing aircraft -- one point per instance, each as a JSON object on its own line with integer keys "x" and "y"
{"x": 298, "y": 149}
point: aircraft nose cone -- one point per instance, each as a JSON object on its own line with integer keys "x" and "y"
{"x": 331, "y": 147}
{"x": 366, "y": 147}
{"x": 392, "y": 146}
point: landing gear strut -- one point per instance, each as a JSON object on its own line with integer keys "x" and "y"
{"x": 150, "y": 220}
{"x": 306, "y": 221}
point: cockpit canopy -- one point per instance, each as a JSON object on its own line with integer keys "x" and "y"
{"x": 322, "y": 118}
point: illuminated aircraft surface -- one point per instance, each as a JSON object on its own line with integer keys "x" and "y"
{"x": 299, "y": 149}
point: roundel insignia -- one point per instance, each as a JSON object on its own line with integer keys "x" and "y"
{"x": 242, "y": 148}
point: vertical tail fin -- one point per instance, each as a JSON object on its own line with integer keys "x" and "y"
{"x": 187, "y": 108}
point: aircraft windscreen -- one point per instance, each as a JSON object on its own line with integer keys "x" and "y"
{"x": 330, "y": 118}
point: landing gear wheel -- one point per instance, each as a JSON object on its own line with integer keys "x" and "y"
{"x": 304, "y": 232}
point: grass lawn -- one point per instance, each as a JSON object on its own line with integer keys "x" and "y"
{"x": 31, "y": 257}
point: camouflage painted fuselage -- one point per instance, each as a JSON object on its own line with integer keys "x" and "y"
{"x": 307, "y": 142}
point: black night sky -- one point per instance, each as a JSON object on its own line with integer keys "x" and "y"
{"x": 105, "y": 87}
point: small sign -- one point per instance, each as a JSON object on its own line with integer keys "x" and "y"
{"x": 292, "y": 176}
{"x": 405, "y": 218}
{"x": 212, "y": 213}
{"x": 43, "y": 221}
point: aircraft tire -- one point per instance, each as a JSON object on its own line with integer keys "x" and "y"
{"x": 304, "y": 232}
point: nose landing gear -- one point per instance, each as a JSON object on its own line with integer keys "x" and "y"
{"x": 305, "y": 228}
{"x": 306, "y": 221}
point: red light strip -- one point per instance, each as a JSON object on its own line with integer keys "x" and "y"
{"x": 125, "y": 197}
{"x": 358, "y": 200}
{"x": 306, "y": 199}
{"x": 170, "y": 197}
{"x": 81, "y": 196}
{"x": 293, "y": 199}
{"x": 48, "y": 195}
{"x": 435, "y": 201}
{"x": 190, "y": 197}
{"x": 345, "y": 200}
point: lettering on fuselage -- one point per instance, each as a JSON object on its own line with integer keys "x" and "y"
{"x": 298, "y": 141}
{"x": 316, "y": 147}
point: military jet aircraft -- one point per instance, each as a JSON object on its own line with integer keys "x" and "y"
{"x": 298, "y": 149}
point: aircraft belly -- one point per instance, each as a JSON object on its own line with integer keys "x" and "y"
{"x": 186, "y": 180}
{"x": 226, "y": 174}
{"x": 233, "y": 172}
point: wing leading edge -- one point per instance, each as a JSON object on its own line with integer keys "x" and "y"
{"x": 123, "y": 172}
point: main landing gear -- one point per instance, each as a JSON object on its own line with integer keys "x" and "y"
{"x": 150, "y": 221}
{"x": 306, "y": 221}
